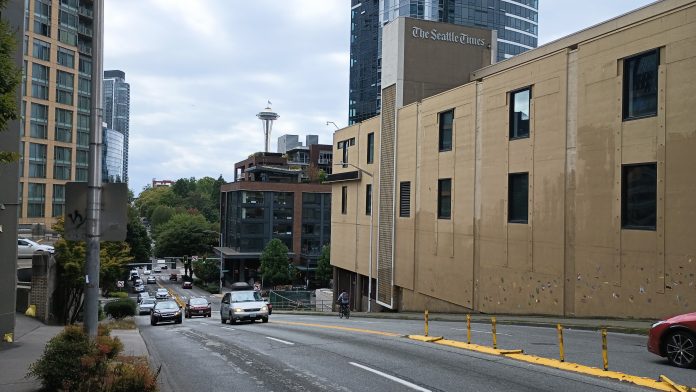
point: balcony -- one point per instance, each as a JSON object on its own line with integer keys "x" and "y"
{"x": 86, "y": 12}
{"x": 84, "y": 30}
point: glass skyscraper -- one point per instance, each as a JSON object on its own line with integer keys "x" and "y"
{"x": 117, "y": 110}
{"x": 515, "y": 21}
{"x": 112, "y": 156}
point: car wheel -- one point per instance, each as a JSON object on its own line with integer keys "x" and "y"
{"x": 680, "y": 347}
{"x": 264, "y": 320}
{"x": 232, "y": 320}
{"x": 222, "y": 319}
{"x": 153, "y": 322}
{"x": 180, "y": 320}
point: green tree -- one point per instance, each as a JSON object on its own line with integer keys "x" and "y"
{"x": 10, "y": 77}
{"x": 275, "y": 268}
{"x": 137, "y": 237}
{"x": 113, "y": 257}
{"x": 185, "y": 234}
{"x": 150, "y": 198}
{"x": 161, "y": 215}
{"x": 324, "y": 271}
{"x": 207, "y": 270}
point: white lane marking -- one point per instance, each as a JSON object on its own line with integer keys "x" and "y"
{"x": 476, "y": 330}
{"x": 228, "y": 328}
{"x": 281, "y": 341}
{"x": 385, "y": 375}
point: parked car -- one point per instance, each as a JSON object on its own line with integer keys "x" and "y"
{"x": 142, "y": 296}
{"x": 151, "y": 279}
{"x": 162, "y": 294}
{"x": 166, "y": 311}
{"x": 197, "y": 307}
{"x": 27, "y": 247}
{"x": 243, "y": 305}
{"x": 675, "y": 338}
{"x": 187, "y": 285}
{"x": 145, "y": 307}
{"x": 173, "y": 277}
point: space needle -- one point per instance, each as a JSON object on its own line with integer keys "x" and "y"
{"x": 267, "y": 116}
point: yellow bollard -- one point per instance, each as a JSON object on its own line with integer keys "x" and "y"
{"x": 495, "y": 339}
{"x": 9, "y": 337}
{"x": 560, "y": 341}
{"x": 605, "y": 358}
{"x": 31, "y": 311}
{"x": 426, "y": 322}
{"x": 468, "y": 329}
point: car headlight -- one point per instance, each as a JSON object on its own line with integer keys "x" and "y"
{"x": 177, "y": 313}
{"x": 657, "y": 323}
{"x": 264, "y": 308}
{"x": 238, "y": 310}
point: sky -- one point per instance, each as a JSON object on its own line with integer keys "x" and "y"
{"x": 200, "y": 70}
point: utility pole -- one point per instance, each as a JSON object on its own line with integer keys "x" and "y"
{"x": 94, "y": 195}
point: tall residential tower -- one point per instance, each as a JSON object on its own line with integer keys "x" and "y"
{"x": 56, "y": 102}
{"x": 514, "y": 20}
{"x": 117, "y": 110}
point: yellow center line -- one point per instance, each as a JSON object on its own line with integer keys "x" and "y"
{"x": 338, "y": 328}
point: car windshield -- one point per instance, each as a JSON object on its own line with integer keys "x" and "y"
{"x": 148, "y": 301}
{"x": 168, "y": 305}
{"x": 162, "y": 291}
{"x": 199, "y": 301}
{"x": 246, "y": 296}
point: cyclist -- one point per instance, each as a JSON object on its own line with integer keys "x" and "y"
{"x": 343, "y": 300}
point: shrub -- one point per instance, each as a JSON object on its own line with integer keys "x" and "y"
{"x": 120, "y": 308}
{"x": 131, "y": 374}
{"x": 118, "y": 294}
{"x": 71, "y": 362}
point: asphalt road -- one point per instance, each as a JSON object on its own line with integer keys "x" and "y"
{"x": 316, "y": 356}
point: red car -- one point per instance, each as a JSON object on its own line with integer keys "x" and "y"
{"x": 675, "y": 338}
{"x": 197, "y": 307}
{"x": 187, "y": 285}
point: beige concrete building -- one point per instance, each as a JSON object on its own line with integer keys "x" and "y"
{"x": 56, "y": 103}
{"x": 558, "y": 182}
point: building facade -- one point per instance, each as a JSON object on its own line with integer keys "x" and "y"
{"x": 253, "y": 213}
{"x": 112, "y": 156}
{"x": 515, "y": 21}
{"x": 557, "y": 182}
{"x": 117, "y": 110}
{"x": 56, "y": 105}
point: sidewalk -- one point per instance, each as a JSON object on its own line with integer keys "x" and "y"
{"x": 632, "y": 326}
{"x": 31, "y": 337}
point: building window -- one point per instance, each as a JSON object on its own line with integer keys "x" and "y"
{"x": 518, "y": 198}
{"x": 58, "y": 200}
{"x": 39, "y": 81}
{"x": 37, "y": 160}
{"x": 36, "y": 200}
{"x": 405, "y": 199}
{"x": 444, "y": 198}
{"x": 344, "y": 200}
{"x": 519, "y": 113}
{"x": 638, "y": 196}
{"x": 66, "y": 57}
{"x": 42, "y": 18}
{"x": 64, "y": 119}
{"x": 39, "y": 121}
{"x": 445, "y": 121}
{"x": 42, "y": 50}
{"x": 62, "y": 163}
{"x": 343, "y": 145}
{"x": 370, "y": 147}
{"x": 640, "y": 85}
{"x": 368, "y": 199}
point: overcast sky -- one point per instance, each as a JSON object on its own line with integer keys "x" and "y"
{"x": 200, "y": 70}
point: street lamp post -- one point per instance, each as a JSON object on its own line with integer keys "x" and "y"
{"x": 372, "y": 190}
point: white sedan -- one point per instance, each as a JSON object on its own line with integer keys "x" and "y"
{"x": 27, "y": 247}
{"x": 147, "y": 272}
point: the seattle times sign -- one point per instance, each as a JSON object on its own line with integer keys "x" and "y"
{"x": 450, "y": 36}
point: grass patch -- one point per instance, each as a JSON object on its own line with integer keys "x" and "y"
{"x": 125, "y": 323}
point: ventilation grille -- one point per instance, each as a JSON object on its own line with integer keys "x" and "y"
{"x": 405, "y": 199}
{"x": 385, "y": 251}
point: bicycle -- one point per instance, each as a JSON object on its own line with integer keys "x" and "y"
{"x": 343, "y": 310}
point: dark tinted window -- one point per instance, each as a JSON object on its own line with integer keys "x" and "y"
{"x": 518, "y": 200}
{"x": 640, "y": 85}
{"x": 370, "y": 147}
{"x": 444, "y": 198}
{"x": 638, "y": 196}
{"x": 519, "y": 113}
{"x": 344, "y": 200}
{"x": 445, "y": 121}
{"x": 368, "y": 199}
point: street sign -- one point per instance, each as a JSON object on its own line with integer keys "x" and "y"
{"x": 194, "y": 258}
{"x": 119, "y": 284}
{"x": 114, "y": 211}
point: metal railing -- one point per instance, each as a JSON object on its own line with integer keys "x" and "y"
{"x": 298, "y": 300}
